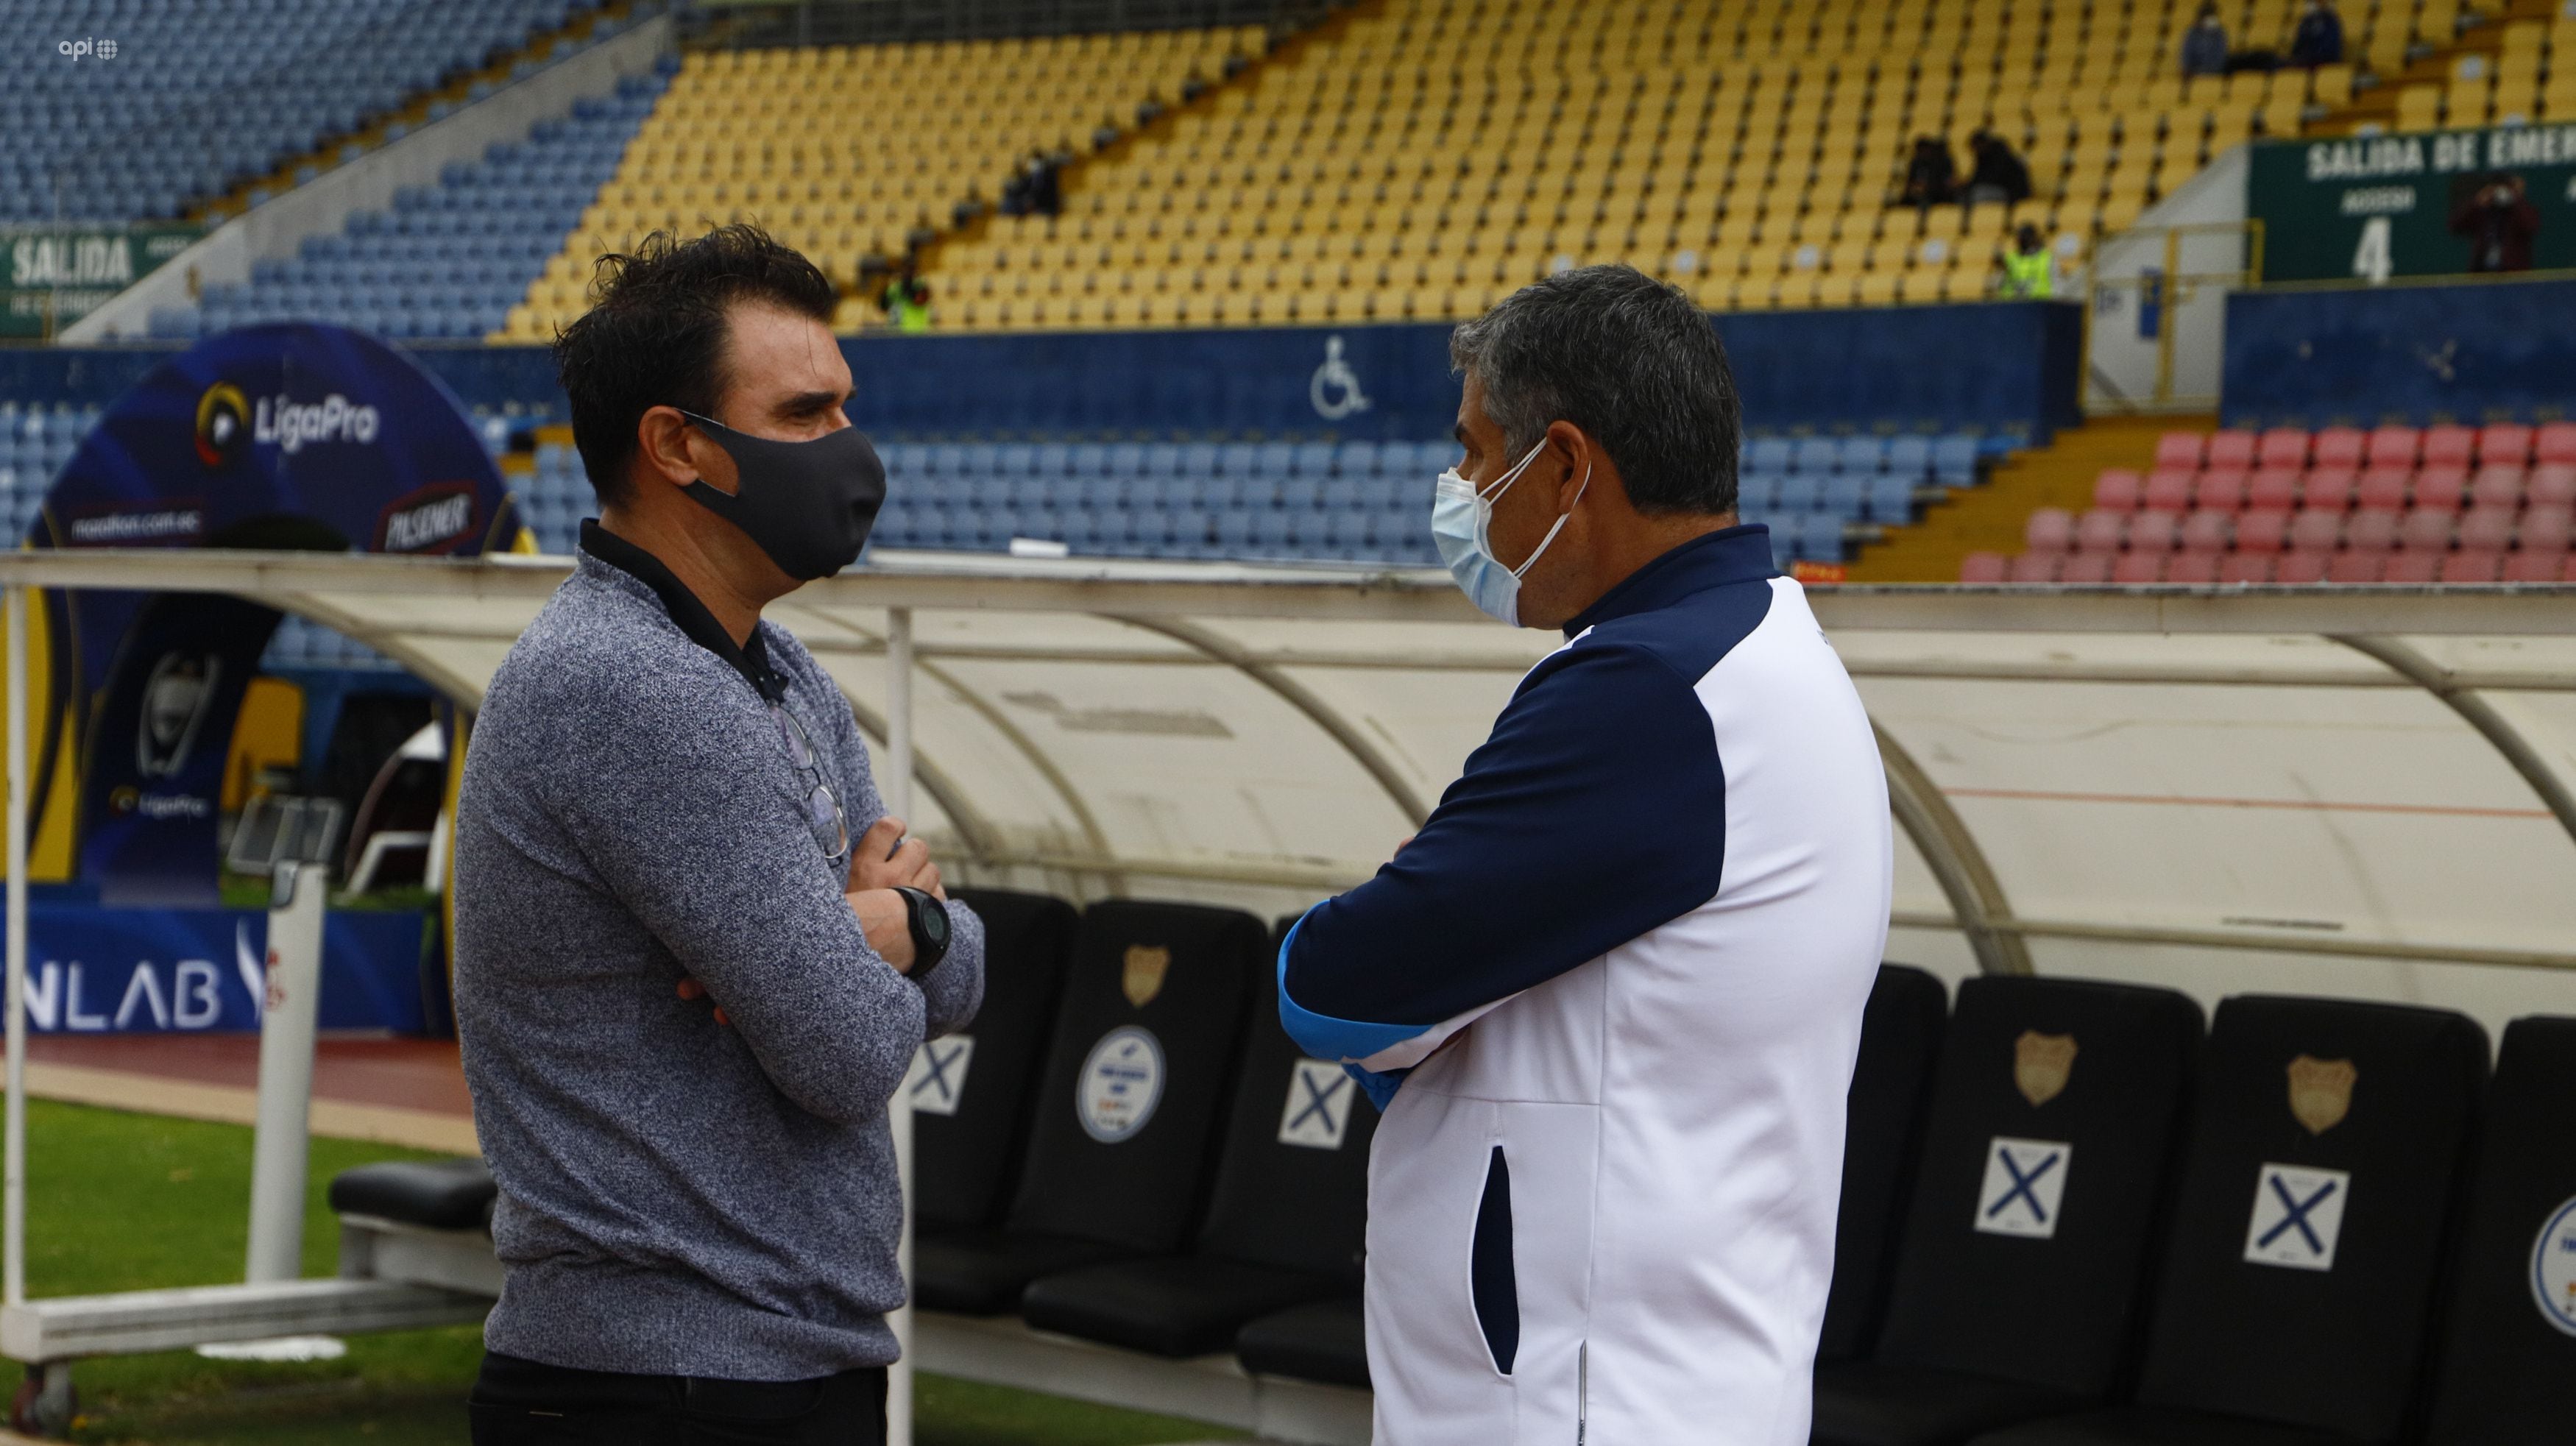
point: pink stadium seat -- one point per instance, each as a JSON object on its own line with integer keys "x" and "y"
{"x": 2302, "y": 567}
{"x": 2481, "y": 566}
{"x": 2555, "y": 442}
{"x": 2219, "y": 491}
{"x": 2179, "y": 449}
{"x": 2136, "y": 568}
{"x": 2414, "y": 567}
{"x": 2192, "y": 567}
{"x": 2329, "y": 488}
{"x": 2273, "y": 487}
{"x": 2357, "y": 567}
{"x": 2535, "y": 567}
{"x": 2245, "y": 567}
{"x": 2372, "y": 529}
{"x": 2231, "y": 449}
{"x": 2426, "y": 531}
{"x": 2441, "y": 489}
{"x": 2153, "y": 532}
{"x": 2280, "y": 447}
{"x": 2548, "y": 529}
{"x": 2101, "y": 531}
{"x": 2394, "y": 447}
{"x": 2315, "y": 531}
{"x": 2207, "y": 531}
{"x": 2092, "y": 568}
{"x": 1988, "y": 567}
{"x": 2496, "y": 484}
{"x": 2341, "y": 446}
{"x": 2117, "y": 489}
{"x": 2050, "y": 529}
{"x": 2382, "y": 489}
{"x": 2504, "y": 442}
{"x": 2449, "y": 446}
{"x": 2266, "y": 531}
{"x": 2167, "y": 490}
{"x": 2551, "y": 484}
{"x": 2486, "y": 529}
{"x": 2036, "y": 567}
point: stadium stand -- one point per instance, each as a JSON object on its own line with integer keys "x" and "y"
{"x": 2011, "y": 1303}
{"x": 2396, "y": 504}
{"x": 163, "y": 121}
{"x": 846, "y": 152}
{"x": 1425, "y": 157}
{"x": 449, "y": 260}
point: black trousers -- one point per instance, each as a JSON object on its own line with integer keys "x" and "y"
{"x": 526, "y": 1403}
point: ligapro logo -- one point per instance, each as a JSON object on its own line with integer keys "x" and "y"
{"x": 333, "y": 419}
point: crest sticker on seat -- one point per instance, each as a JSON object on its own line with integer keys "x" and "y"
{"x": 1319, "y": 1105}
{"x": 2025, "y": 1180}
{"x": 2321, "y": 1091}
{"x": 2553, "y": 1268}
{"x": 2041, "y": 1063}
{"x": 1142, "y": 977}
{"x": 1121, "y": 1082}
{"x": 937, "y": 1079}
{"x": 2298, "y": 1216}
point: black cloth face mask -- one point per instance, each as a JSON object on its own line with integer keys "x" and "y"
{"x": 808, "y": 504}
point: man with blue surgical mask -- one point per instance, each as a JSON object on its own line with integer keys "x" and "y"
{"x": 1610, "y": 995}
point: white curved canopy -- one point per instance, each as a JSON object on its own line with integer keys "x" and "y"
{"x": 2363, "y": 792}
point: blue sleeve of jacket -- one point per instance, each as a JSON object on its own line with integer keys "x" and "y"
{"x": 1595, "y": 812}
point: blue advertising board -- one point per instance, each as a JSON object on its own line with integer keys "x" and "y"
{"x": 93, "y": 970}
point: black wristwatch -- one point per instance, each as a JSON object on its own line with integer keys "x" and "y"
{"x": 928, "y": 919}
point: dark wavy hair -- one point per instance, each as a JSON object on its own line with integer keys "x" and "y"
{"x": 655, "y": 334}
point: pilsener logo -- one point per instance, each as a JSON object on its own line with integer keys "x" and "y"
{"x": 434, "y": 518}
{"x": 333, "y": 419}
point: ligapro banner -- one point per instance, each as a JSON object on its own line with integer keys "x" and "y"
{"x": 2369, "y": 208}
{"x": 52, "y": 276}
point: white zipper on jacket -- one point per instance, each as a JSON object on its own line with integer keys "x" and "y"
{"x": 1582, "y": 1389}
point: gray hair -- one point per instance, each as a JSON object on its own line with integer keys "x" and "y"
{"x": 1629, "y": 360}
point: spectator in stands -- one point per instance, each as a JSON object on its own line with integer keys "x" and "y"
{"x": 2000, "y": 176}
{"x": 1611, "y": 992}
{"x": 1931, "y": 177}
{"x": 1045, "y": 186}
{"x": 668, "y": 803}
{"x": 2319, "y": 38}
{"x": 2204, "y": 45}
{"x": 1103, "y": 135}
{"x": 1193, "y": 85}
{"x": 2497, "y": 219}
{"x": 906, "y": 299}
{"x": 2030, "y": 274}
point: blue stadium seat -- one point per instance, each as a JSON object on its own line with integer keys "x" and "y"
{"x": 1359, "y": 459}
{"x": 1163, "y": 459}
{"x": 1910, "y": 456}
{"x": 1814, "y": 455}
{"x": 1234, "y": 459}
{"x": 1768, "y": 454}
{"x": 1312, "y": 459}
{"x": 1800, "y": 492}
{"x": 1844, "y": 494}
{"x": 1274, "y": 459}
{"x": 1054, "y": 459}
{"x": 1861, "y": 454}
{"x": 1891, "y": 497}
{"x": 1954, "y": 460}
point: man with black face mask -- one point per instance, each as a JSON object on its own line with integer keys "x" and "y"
{"x": 694, "y": 958}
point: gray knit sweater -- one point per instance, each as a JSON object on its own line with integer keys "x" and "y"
{"x": 679, "y": 1197}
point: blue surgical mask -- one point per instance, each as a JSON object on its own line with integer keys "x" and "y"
{"x": 1459, "y": 517}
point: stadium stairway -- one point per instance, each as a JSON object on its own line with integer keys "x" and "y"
{"x": 1990, "y": 518}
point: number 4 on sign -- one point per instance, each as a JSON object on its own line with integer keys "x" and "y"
{"x": 2371, "y": 260}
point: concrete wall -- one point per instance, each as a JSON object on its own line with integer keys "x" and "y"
{"x": 2123, "y": 362}
{"x": 320, "y": 208}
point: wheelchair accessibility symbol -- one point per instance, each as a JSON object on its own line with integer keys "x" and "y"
{"x": 2298, "y": 1216}
{"x": 2553, "y": 1269}
{"x": 1335, "y": 388}
{"x": 937, "y": 1079}
{"x": 2025, "y": 1180}
{"x": 1319, "y": 1105}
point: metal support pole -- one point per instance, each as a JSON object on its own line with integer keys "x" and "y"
{"x": 894, "y": 783}
{"x": 13, "y": 1210}
{"x": 286, "y": 1021}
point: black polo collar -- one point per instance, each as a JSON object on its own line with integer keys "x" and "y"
{"x": 750, "y": 659}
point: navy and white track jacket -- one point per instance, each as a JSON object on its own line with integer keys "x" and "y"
{"x": 1658, "y": 894}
